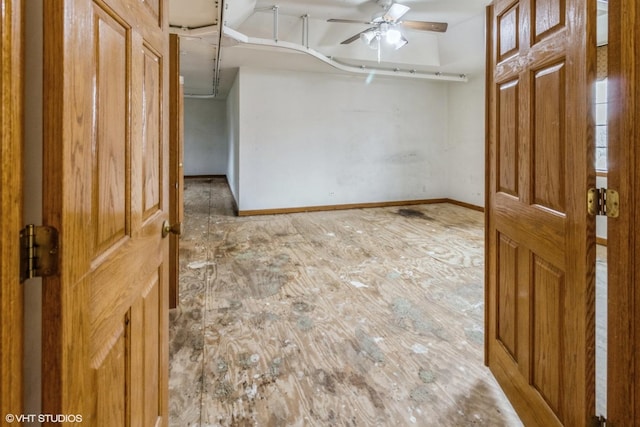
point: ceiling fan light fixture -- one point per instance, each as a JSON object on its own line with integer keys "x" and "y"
{"x": 367, "y": 36}
{"x": 393, "y": 36}
{"x": 400, "y": 43}
{"x": 385, "y": 22}
{"x": 374, "y": 44}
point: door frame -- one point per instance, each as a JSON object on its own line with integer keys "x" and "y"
{"x": 11, "y": 170}
{"x": 176, "y": 171}
{"x": 623, "y": 245}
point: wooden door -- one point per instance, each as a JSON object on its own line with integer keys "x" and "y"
{"x": 105, "y": 316}
{"x": 623, "y": 346}
{"x": 176, "y": 171}
{"x": 11, "y": 74}
{"x": 540, "y": 241}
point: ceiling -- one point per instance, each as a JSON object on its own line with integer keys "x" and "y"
{"x": 211, "y": 55}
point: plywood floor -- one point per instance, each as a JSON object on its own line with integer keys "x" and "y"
{"x": 366, "y": 317}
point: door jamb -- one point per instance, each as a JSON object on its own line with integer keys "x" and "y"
{"x": 623, "y": 346}
{"x": 11, "y": 300}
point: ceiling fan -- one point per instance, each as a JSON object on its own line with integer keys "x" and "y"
{"x": 386, "y": 24}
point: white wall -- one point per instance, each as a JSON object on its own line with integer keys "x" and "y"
{"x": 601, "y": 221}
{"x": 309, "y": 139}
{"x": 466, "y": 147}
{"x": 205, "y": 143}
{"x": 601, "y": 141}
{"x": 233, "y": 139}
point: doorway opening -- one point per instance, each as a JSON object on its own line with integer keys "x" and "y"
{"x": 601, "y": 148}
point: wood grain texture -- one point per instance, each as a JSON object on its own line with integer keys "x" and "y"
{"x": 623, "y": 400}
{"x": 364, "y": 316}
{"x": 11, "y": 122}
{"x": 548, "y": 138}
{"x": 507, "y": 142}
{"x": 176, "y": 170}
{"x": 106, "y": 190}
{"x": 112, "y": 384}
{"x": 548, "y": 15}
{"x": 152, "y": 410}
{"x": 547, "y": 297}
{"x": 551, "y": 379}
{"x": 111, "y": 141}
{"x": 507, "y": 290}
{"x": 152, "y": 138}
{"x": 508, "y": 32}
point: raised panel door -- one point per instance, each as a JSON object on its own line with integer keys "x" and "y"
{"x": 540, "y": 240}
{"x": 106, "y": 155}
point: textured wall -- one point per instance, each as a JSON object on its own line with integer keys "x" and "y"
{"x": 233, "y": 142}
{"x": 465, "y": 157}
{"x": 205, "y": 142}
{"x": 309, "y": 139}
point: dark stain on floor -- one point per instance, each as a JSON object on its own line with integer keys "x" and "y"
{"x": 302, "y": 307}
{"x": 412, "y": 213}
{"x": 327, "y": 381}
{"x": 360, "y": 382}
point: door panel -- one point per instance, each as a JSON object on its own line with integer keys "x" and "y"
{"x": 506, "y": 318}
{"x": 154, "y": 8}
{"x": 508, "y": 36}
{"x": 507, "y": 140}
{"x": 111, "y": 142}
{"x": 106, "y": 150}
{"x": 546, "y": 346}
{"x": 548, "y": 174}
{"x": 540, "y": 293}
{"x": 549, "y": 15}
{"x": 151, "y": 152}
{"x": 11, "y": 123}
{"x": 152, "y": 325}
{"x": 111, "y": 382}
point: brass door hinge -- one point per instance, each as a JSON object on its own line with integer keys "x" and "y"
{"x": 38, "y": 252}
{"x": 603, "y": 201}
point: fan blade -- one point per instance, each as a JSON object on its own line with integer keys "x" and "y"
{"x": 395, "y": 12}
{"x": 439, "y": 27}
{"x": 349, "y": 21}
{"x": 354, "y": 38}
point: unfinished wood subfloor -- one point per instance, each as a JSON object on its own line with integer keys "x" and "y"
{"x": 365, "y": 317}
